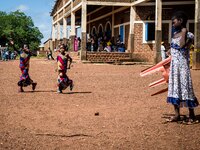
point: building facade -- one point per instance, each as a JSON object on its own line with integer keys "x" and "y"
{"x": 142, "y": 24}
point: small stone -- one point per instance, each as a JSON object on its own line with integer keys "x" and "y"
{"x": 96, "y": 114}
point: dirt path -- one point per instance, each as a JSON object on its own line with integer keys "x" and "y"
{"x": 128, "y": 117}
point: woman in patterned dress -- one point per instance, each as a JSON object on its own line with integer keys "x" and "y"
{"x": 180, "y": 89}
{"x": 25, "y": 55}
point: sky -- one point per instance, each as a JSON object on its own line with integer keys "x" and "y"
{"x": 38, "y": 10}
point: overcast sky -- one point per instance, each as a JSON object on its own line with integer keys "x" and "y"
{"x": 38, "y": 10}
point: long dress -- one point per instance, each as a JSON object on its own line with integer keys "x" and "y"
{"x": 75, "y": 44}
{"x": 63, "y": 80}
{"x": 180, "y": 88}
{"x": 25, "y": 79}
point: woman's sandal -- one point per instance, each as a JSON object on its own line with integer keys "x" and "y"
{"x": 173, "y": 119}
{"x": 192, "y": 121}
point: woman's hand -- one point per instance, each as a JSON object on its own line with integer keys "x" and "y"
{"x": 11, "y": 42}
{"x": 168, "y": 53}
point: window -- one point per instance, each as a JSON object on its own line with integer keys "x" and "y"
{"x": 149, "y": 32}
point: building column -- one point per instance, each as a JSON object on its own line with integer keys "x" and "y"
{"x": 113, "y": 22}
{"x": 64, "y": 30}
{"x": 53, "y": 36}
{"x": 73, "y": 27}
{"x": 58, "y": 30}
{"x": 53, "y": 33}
{"x": 158, "y": 31}
{"x": 84, "y": 29}
{"x": 196, "y": 53}
{"x": 131, "y": 29}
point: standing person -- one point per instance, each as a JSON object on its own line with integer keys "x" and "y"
{"x": 25, "y": 79}
{"x": 50, "y": 54}
{"x": 92, "y": 44}
{"x": 163, "y": 54}
{"x": 75, "y": 44}
{"x": 6, "y": 54}
{"x": 2, "y": 54}
{"x": 79, "y": 42}
{"x": 118, "y": 42}
{"x": 63, "y": 80}
{"x": 180, "y": 88}
{"x": 100, "y": 44}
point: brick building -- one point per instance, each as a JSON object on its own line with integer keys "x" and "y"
{"x": 142, "y": 24}
{"x": 48, "y": 44}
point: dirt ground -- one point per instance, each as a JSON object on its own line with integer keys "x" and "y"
{"x": 127, "y": 117}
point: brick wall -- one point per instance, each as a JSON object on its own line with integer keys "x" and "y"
{"x": 101, "y": 12}
{"x": 122, "y": 16}
{"x": 143, "y": 51}
{"x": 144, "y": 11}
{"x": 107, "y": 57}
{"x": 102, "y": 21}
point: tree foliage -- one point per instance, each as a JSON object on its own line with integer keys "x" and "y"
{"x": 20, "y": 28}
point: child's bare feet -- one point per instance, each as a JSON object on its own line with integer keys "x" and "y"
{"x": 59, "y": 91}
{"x": 71, "y": 86}
{"x": 34, "y": 86}
{"x": 20, "y": 89}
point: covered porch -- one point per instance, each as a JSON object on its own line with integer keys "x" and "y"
{"x": 132, "y": 20}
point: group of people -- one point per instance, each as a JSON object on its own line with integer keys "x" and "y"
{"x": 180, "y": 88}
{"x": 6, "y": 54}
{"x": 104, "y": 44}
{"x": 63, "y": 60}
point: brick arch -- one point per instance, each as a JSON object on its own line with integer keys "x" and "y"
{"x": 94, "y": 30}
{"x": 106, "y": 26}
{"x": 100, "y": 26}
{"x": 100, "y": 30}
{"x": 108, "y": 30}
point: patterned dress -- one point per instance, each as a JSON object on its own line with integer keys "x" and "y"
{"x": 63, "y": 80}
{"x": 25, "y": 79}
{"x": 180, "y": 89}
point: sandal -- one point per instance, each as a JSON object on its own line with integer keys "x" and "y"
{"x": 192, "y": 121}
{"x": 173, "y": 119}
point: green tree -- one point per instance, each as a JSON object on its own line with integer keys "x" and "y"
{"x": 20, "y": 28}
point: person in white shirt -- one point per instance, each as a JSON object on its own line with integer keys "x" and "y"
{"x": 163, "y": 54}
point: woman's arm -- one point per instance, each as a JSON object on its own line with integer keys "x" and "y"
{"x": 183, "y": 37}
{"x": 15, "y": 49}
